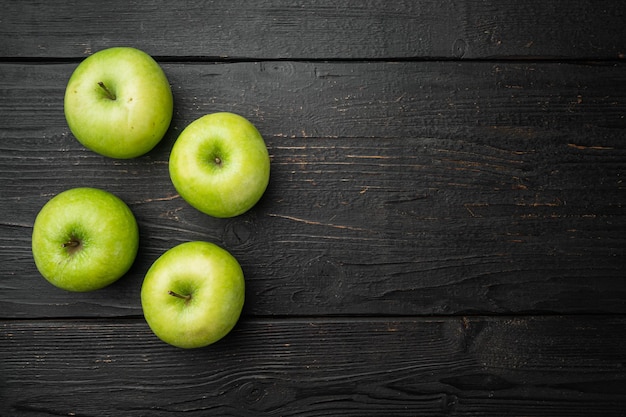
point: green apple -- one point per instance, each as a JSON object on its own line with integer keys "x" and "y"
{"x": 84, "y": 239}
{"x": 220, "y": 164}
{"x": 193, "y": 294}
{"x": 118, "y": 102}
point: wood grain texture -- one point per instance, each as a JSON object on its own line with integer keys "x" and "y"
{"x": 530, "y": 366}
{"x": 329, "y": 29}
{"x": 443, "y": 234}
{"x": 397, "y": 188}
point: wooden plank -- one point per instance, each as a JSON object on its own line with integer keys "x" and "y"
{"x": 397, "y": 188}
{"x": 361, "y": 100}
{"x": 329, "y": 29}
{"x": 531, "y": 366}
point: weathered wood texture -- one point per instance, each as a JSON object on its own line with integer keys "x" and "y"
{"x": 525, "y": 366}
{"x": 443, "y": 234}
{"x": 328, "y": 29}
{"x": 397, "y": 188}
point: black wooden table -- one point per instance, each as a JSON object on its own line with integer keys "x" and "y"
{"x": 443, "y": 233}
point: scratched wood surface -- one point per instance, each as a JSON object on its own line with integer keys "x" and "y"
{"x": 513, "y": 366}
{"x": 443, "y": 233}
{"x": 326, "y": 29}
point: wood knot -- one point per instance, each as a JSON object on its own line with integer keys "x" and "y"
{"x": 459, "y": 48}
{"x": 325, "y": 283}
{"x": 239, "y": 233}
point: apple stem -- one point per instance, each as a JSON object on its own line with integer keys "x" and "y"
{"x": 183, "y": 297}
{"x": 109, "y": 93}
{"x": 71, "y": 244}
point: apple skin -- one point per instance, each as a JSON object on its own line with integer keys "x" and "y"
{"x": 231, "y": 184}
{"x": 102, "y": 226}
{"x": 136, "y": 120}
{"x": 212, "y": 279}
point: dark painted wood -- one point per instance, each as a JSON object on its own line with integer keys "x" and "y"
{"x": 530, "y": 366}
{"x": 443, "y": 234}
{"x": 327, "y": 29}
{"x": 397, "y": 188}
